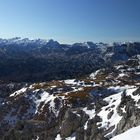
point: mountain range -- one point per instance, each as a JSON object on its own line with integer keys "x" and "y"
{"x": 25, "y": 60}
{"x": 83, "y": 91}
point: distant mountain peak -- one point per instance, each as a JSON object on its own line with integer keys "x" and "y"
{"x": 52, "y": 43}
{"x": 26, "y": 41}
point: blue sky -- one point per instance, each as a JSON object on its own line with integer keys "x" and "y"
{"x": 71, "y": 21}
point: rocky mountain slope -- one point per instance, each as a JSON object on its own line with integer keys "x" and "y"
{"x": 98, "y": 106}
{"x": 25, "y": 60}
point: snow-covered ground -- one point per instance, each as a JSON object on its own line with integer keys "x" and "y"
{"x": 72, "y": 137}
{"x": 131, "y": 134}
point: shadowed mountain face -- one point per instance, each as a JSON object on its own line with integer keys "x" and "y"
{"x": 24, "y": 60}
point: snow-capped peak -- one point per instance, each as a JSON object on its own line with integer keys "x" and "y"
{"x": 27, "y": 41}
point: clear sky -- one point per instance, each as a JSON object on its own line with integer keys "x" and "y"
{"x": 70, "y": 21}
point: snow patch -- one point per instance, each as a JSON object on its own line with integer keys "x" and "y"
{"x": 90, "y": 113}
{"x": 131, "y": 134}
{"x": 58, "y": 137}
{"x": 122, "y": 75}
{"x": 93, "y": 75}
{"x": 18, "y": 92}
{"x": 70, "y": 81}
{"x": 113, "y": 100}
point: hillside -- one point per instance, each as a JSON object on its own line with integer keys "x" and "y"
{"x": 25, "y": 60}
{"x": 98, "y": 106}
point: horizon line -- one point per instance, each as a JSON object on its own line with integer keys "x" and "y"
{"x": 72, "y": 42}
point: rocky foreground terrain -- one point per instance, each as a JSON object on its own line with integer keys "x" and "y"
{"x": 98, "y": 106}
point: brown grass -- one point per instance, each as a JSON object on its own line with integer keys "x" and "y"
{"x": 81, "y": 95}
{"x": 48, "y": 85}
{"x": 100, "y": 78}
